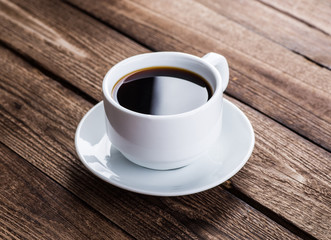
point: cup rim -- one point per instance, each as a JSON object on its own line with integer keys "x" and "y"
{"x": 107, "y": 93}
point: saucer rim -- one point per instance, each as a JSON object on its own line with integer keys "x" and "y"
{"x": 169, "y": 193}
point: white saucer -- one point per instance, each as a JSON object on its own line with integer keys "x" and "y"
{"x": 217, "y": 165}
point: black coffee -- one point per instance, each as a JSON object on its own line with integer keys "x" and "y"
{"x": 162, "y": 91}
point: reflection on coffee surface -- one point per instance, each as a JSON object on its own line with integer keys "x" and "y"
{"x": 162, "y": 91}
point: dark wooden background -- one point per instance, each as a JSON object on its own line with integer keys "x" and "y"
{"x": 53, "y": 56}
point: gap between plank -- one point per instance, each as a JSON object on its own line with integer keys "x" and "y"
{"x": 280, "y": 123}
{"x": 278, "y": 43}
{"x": 267, "y": 212}
{"x": 50, "y": 74}
{"x": 251, "y": 202}
{"x": 309, "y": 59}
{"x": 108, "y": 25}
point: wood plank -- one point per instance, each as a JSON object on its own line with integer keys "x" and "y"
{"x": 262, "y": 180}
{"x": 313, "y": 12}
{"x": 38, "y": 122}
{"x": 65, "y": 45}
{"x": 264, "y": 74}
{"x": 288, "y": 175}
{"x": 34, "y": 207}
{"x": 276, "y": 26}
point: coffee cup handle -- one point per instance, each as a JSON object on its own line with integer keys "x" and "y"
{"x": 220, "y": 63}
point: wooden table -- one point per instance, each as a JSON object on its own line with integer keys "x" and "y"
{"x": 54, "y": 55}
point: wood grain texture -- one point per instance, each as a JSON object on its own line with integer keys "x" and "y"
{"x": 34, "y": 207}
{"x": 64, "y": 41}
{"x": 312, "y": 223}
{"x": 277, "y": 26}
{"x": 315, "y": 13}
{"x": 289, "y": 175}
{"x": 265, "y": 75}
{"x": 38, "y": 122}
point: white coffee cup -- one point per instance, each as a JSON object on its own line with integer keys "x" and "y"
{"x": 166, "y": 141}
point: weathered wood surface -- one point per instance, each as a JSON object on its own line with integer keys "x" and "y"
{"x": 38, "y": 120}
{"x": 34, "y": 207}
{"x": 265, "y": 75}
{"x": 40, "y": 125}
{"x": 65, "y": 43}
{"x": 315, "y": 13}
{"x": 277, "y": 27}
